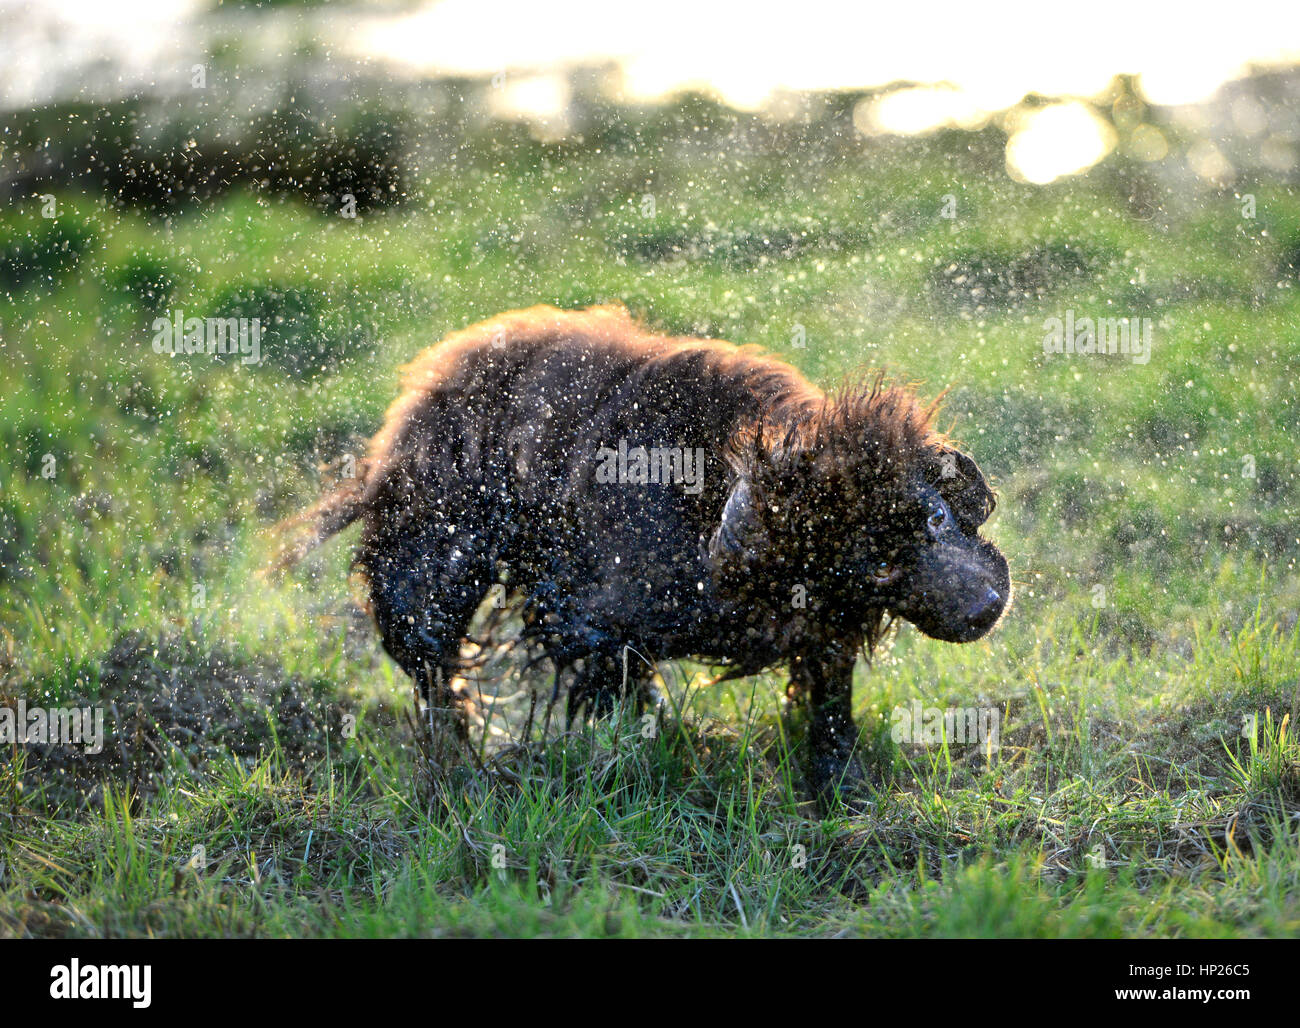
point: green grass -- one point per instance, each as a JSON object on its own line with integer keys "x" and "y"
{"x": 1147, "y": 678}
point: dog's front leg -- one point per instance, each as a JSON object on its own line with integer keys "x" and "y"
{"x": 821, "y": 680}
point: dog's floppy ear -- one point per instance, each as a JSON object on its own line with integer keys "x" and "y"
{"x": 960, "y": 482}
{"x": 734, "y": 538}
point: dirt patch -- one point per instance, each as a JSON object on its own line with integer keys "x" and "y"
{"x": 169, "y": 707}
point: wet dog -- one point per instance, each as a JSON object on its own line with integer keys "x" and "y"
{"x": 683, "y": 497}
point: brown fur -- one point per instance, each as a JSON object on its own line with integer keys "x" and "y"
{"x": 486, "y": 471}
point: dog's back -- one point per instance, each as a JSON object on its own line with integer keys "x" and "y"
{"x": 527, "y": 395}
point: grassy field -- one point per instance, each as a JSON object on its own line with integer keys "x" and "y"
{"x": 1147, "y": 678}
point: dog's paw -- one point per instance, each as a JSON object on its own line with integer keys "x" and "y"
{"x": 842, "y": 785}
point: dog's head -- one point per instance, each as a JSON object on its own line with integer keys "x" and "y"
{"x": 872, "y": 513}
{"x": 931, "y": 566}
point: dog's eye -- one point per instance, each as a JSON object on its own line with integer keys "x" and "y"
{"x": 883, "y": 571}
{"x": 937, "y": 517}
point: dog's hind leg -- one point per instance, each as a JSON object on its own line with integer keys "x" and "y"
{"x": 424, "y": 594}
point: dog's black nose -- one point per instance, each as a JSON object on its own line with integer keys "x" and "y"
{"x": 984, "y": 611}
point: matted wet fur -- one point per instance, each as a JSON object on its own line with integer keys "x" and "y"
{"x": 684, "y": 497}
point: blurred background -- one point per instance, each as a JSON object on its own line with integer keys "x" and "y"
{"x": 1126, "y": 79}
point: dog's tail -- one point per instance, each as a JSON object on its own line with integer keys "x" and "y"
{"x": 304, "y": 531}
